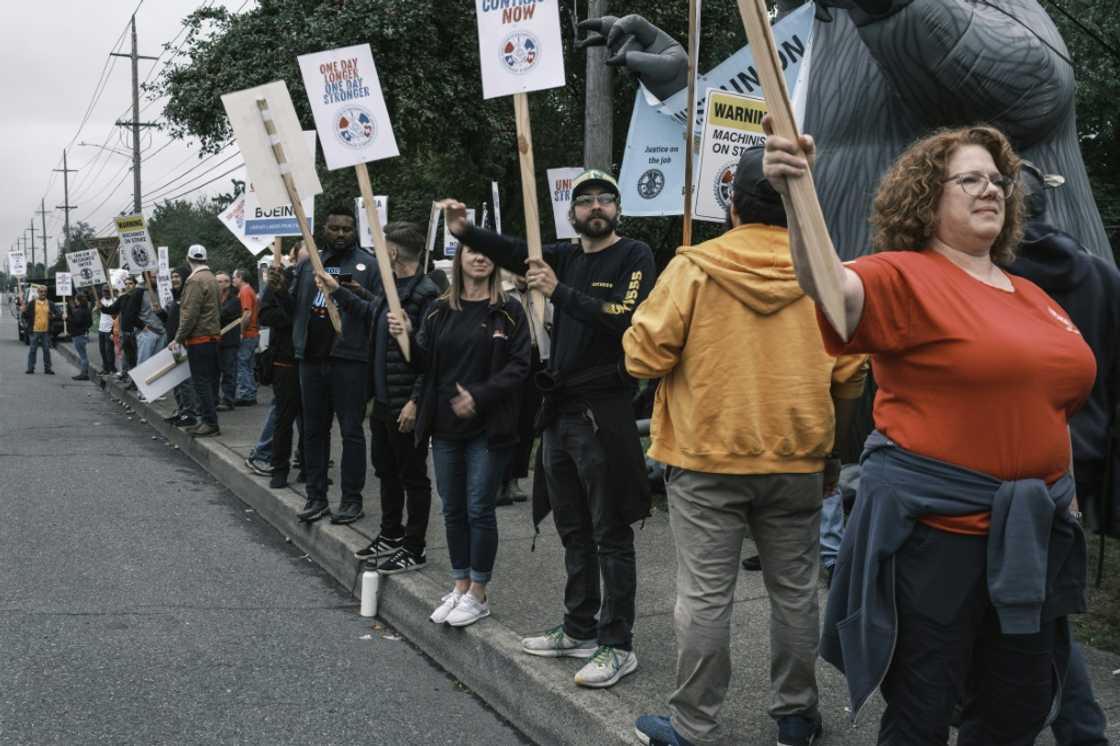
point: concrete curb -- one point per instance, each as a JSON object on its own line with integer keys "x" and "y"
{"x": 539, "y": 700}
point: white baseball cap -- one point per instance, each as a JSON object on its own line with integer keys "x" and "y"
{"x": 197, "y": 252}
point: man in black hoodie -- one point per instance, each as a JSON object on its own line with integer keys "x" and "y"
{"x": 333, "y": 368}
{"x": 78, "y": 326}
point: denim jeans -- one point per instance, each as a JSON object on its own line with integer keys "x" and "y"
{"x": 227, "y": 364}
{"x": 186, "y": 400}
{"x": 832, "y": 527}
{"x": 39, "y": 339}
{"x": 80, "y": 343}
{"x": 203, "y": 359}
{"x": 263, "y": 449}
{"x": 148, "y": 343}
{"x": 246, "y": 383}
{"x": 468, "y": 475}
{"x": 108, "y": 352}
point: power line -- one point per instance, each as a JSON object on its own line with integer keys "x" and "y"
{"x": 197, "y": 165}
{"x": 200, "y": 186}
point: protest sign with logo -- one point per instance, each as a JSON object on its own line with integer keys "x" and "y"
{"x": 163, "y": 286}
{"x": 652, "y": 175}
{"x": 733, "y": 125}
{"x": 86, "y": 268}
{"x": 163, "y": 264}
{"x": 63, "y": 284}
{"x": 365, "y": 233}
{"x": 17, "y": 264}
{"x": 560, "y": 189}
{"x": 117, "y": 278}
{"x": 267, "y": 223}
{"x": 233, "y": 218}
{"x": 348, "y": 106}
{"x": 519, "y": 46}
{"x": 450, "y": 243}
{"x": 136, "y": 245}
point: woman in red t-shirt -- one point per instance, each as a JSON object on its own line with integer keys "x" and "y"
{"x": 978, "y": 369}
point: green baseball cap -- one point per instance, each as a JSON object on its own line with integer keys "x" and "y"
{"x": 594, "y": 177}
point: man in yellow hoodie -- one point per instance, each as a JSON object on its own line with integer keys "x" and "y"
{"x": 744, "y": 419}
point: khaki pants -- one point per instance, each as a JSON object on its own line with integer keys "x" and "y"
{"x": 710, "y": 515}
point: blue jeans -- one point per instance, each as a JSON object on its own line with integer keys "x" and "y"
{"x": 39, "y": 339}
{"x": 263, "y": 449}
{"x": 80, "y": 343}
{"x": 246, "y": 383}
{"x": 468, "y": 475}
{"x": 148, "y": 343}
{"x": 832, "y": 527}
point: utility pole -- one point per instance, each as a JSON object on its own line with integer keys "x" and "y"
{"x": 42, "y": 212}
{"x": 598, "y": 120}
{"x": 135, "y": 124}
{"x": 66, "y": 207}
{"x": 32, "y": 246}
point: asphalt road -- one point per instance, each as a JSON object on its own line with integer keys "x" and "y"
{"x": 142, "y": 603}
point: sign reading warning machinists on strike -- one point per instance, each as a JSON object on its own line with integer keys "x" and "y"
{"x": 519, "y": 46}
{"x": 349, "y": 108}
{"x": 733, "y": 125}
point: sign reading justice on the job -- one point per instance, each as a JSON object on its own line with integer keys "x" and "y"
{"x": 733, "y": 125}
{"x": 519, "y": 46}
{"x": 348, "y": 105}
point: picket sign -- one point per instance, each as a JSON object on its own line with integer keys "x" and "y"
{"x": 689, "y": 138}
{"x": 354, "y": 126}
{"x": 429, "y": 244}
{"x": 803, "y": 195}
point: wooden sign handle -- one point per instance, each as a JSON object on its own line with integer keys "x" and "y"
{"x": 277, "y": 251}
{"x": 529, "y": 194}
{"x": 156, "y": 375}
{"x": 384, "y": 265}
{"x": 802, "y": 192}
{"x": 297, "y": 208}
{"x": 690, "y": 122}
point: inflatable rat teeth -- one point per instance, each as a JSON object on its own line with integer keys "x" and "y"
{"x": 883, "y": 73}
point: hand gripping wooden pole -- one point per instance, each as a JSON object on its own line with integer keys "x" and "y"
{"x": 297, "y": 207}
{"x": 802, "y": 193}
{"x": 529, "y": 195}
{"x": 382, "y": 251}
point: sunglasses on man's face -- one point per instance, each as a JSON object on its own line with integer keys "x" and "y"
{"x": 587, "y": 200}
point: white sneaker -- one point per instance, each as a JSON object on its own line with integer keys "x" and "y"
{"x": 555, "y": 643}
{"x": 607, "y": 667}
{"x": 439, "y": 616}
{"x": 468, "y": 611}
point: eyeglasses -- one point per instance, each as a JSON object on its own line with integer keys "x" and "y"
{"x": 975, "y": 183}
{"x": 587, "y": 200}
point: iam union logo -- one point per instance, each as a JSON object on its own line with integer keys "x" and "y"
{"x": 724, "y": 179}
{"x": 354, "y": 126}
{"x": 520, "y": 52}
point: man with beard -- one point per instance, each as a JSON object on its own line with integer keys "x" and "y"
{"x": 333, "y": 368}
{"x": 590, "y": 467}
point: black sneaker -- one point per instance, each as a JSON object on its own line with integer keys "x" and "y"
{"x": 49, "y": 372}
{"x": 224, "y": 406}
{"x": 80, "y": 377}
{"x": 258, "y": 467}
{"x": 173, "y": 417}
{"x": 503, "y": 498}
{"x": 186, "y": 421}
{"x": 279, "y": 479}
{"x": 347, "y": 514}
{"x": 205, "y": 430}
{"x": 402, "y": 561}
{"x": 380, "y": 548}
{"x": 797, "y": 730}
{"x": 752, "y": 563}
{"x": 313, "y": 510}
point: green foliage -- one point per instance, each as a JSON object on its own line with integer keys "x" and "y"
{"x": 179, "y": 224}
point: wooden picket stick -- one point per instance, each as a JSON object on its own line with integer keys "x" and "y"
{"x": 384, "y": 264}
{"x": 690, "y": 121}
{"x": 430, "y": 239}
{"x": 297, "y": 207}
{"x": 529, "y": 194}
{"x": 802, "y": 193}
{"x": 277, "y": 250}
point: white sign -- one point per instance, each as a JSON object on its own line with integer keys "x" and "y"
{"x": 450, "y": 243}
{"x": 733, "y": 125}
{"x": 365, "y": 234}
{"x": 17, "y": 264}
{"x": 349, "y": 108}
{"x": 560, "y": 187}
{"x": 256, "y": 147}
{"x": 63, "y": 285}
{"x": 85, "y": 267}
{"x": 117, "y": 277}
{"x": 136, "y": 246}
{"x": 497, "y": 200}
{"x": 433, "y": 224}
{"x": 164, "y": 265}
{"x": 279, "y": 221}
{"x": 519, "y": 46}
{"x": 233, "y": 218}
{"x": 163, "y": 287}
{"x": 159, "y": 374}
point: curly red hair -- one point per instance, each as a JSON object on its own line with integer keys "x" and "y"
{"x": 904, "y": 214}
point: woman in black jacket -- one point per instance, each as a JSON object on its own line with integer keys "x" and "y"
{"x": 78, "y": 323}
{"x": 473, "y": 346}
{"x": 275, "y": 314}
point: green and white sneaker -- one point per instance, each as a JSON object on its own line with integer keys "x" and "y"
{"x": 606, "y": 667}
{"x": 556, "y": 644}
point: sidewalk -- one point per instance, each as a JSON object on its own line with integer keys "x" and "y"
{"x": 537, "y": 694}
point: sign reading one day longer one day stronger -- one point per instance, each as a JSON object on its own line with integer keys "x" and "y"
{"x": 519, "y": 46}
{"x": 348, "y": 105}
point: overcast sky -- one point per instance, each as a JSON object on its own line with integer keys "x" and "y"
{"x": 52, "y": 55}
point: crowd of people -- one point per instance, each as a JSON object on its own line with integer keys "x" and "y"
{"x": 963, "y": 555}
